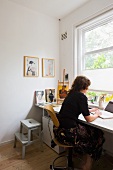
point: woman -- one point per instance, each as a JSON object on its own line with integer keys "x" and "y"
{"x": 86, "y": 139}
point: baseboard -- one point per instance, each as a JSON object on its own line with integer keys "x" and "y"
{"x": 7, "y": 142}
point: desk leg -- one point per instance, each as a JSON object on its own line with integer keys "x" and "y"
{"x": 41, "y": 137}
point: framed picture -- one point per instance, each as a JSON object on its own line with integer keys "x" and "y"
{"x": 48, "y": 67}
{"x": 49, "y": 95}
{"x": 31, "y": 66}
{"x": 63, "y": 89}
{"x": 39, "y": 96}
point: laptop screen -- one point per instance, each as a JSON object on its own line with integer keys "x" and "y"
{"x": 109, "y": 107}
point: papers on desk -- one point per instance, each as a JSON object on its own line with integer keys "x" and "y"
{"x": 57, "y": 109}
{"x": 105, "y": 114}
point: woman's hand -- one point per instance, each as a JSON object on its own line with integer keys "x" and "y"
{"x": 98, "y": 113}
{"x": 93, "y": 110}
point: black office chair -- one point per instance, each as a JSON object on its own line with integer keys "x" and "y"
{"x": 69, "y": 165}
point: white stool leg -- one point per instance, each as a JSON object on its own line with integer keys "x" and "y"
{"x": 29, "y": 136}
{"x": 15, "y": 140}
{"x": 23, "y": 151}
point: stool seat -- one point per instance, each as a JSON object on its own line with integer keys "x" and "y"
{"x": 27, "y": 138}
{"x": 30, "y": 123}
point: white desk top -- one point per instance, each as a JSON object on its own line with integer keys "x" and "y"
{"x": 104, "y": 124}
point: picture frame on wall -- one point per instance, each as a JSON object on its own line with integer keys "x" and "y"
{"x": 31, "y": 66}
{"x": 48, "y": 67}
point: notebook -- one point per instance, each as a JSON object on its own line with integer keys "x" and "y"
{"x": 107, "y": 113}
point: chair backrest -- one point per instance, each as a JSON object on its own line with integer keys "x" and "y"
{"x": 52, "y": 114}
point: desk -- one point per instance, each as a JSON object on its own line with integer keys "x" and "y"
{"x": 104, "y": 124}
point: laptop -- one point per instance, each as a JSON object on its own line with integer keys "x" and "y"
{"x": 109, "y": 107}
{"x": 107, "y": 113}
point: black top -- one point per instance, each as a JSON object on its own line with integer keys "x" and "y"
{"x": 74, "y": 104}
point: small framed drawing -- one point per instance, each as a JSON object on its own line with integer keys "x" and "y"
{"x": 48, "y": 67}
{"x": 49, "y": 95}
{"x": 39, "y": 96}
{"x": 31, "y": 66}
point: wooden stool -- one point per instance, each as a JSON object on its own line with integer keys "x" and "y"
{"x": 33, "y": 129}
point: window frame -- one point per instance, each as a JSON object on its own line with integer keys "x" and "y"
{"x": 80, "y": 32}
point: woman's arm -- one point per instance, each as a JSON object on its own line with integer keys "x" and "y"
{"x": 94, "y": 116}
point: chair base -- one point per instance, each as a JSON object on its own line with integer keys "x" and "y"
{"x": 69, "y": 165}
{"x": 62, "y": 168}
{"x": 57, "y": 168}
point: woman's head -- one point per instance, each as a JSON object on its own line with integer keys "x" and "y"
{"x": 80, "y": 83}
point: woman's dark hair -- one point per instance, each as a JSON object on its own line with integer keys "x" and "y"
{"x": 80, "y": 83}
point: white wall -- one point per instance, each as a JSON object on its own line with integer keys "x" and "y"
{"x": 23, "y": 33}
{"x": 68, "y": 24}
{"x": 66, "y": 46}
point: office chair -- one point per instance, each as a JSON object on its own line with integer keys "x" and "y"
{"x": 69, "y": 166}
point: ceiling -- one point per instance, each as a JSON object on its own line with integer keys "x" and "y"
{"x": 53, "y": 8}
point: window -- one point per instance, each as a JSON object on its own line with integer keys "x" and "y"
{"x": 95, "y": 51}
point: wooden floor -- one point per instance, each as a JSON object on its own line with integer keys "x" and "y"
{"x": 35, "y": 159}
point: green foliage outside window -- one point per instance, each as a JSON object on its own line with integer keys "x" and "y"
{"x": 99, "y": 62}
{"x": 98, "y": 46}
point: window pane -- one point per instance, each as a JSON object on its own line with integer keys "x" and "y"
{"x": 100, "y": 37}
{"x": 99, "y": 60}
